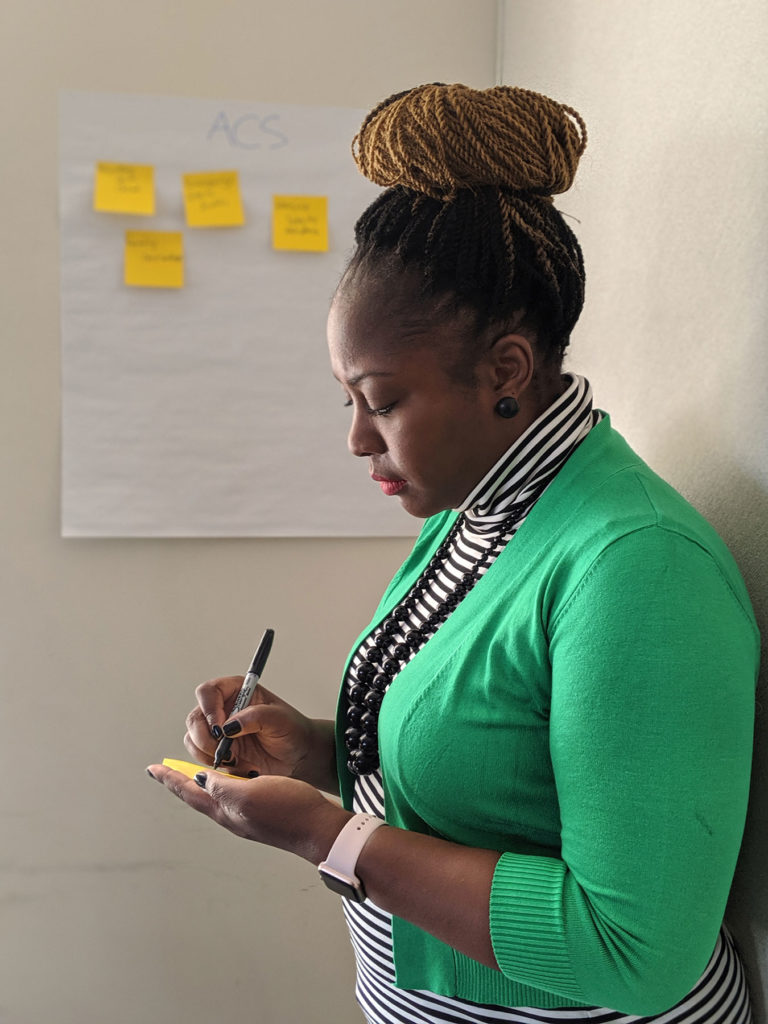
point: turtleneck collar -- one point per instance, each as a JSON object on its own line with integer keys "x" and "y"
{"x": 522, "y": 473}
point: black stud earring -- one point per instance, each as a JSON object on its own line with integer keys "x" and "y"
{"x": 507, "y": 407}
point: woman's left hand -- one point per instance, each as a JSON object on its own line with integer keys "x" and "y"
{"x": 281, "y": 812}
{"x": 405, "y": 873}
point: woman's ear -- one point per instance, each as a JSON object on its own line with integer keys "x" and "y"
{"x": 510, "y": 364}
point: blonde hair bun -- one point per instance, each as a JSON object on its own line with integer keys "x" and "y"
{"x": 437, "y": 139}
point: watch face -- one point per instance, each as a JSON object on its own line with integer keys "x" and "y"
{"x": 352, "y": 888}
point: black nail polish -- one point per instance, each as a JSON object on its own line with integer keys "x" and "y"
{"x": 253, "y": 775}
{"x": 201, "y": 778}
{"x": 232, "y": 728}
{"x": 216, "y": 732}
{"x": 149, "y": 773}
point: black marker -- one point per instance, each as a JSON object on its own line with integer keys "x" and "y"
{"x": 247, "y": 691}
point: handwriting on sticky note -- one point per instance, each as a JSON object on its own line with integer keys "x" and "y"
{"x": 154, "y": 259}
{"x": 212, "y": 199}
{"x": 300, "y": 223}
{"x": 124, "y": 188}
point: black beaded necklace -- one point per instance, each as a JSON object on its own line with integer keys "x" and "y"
{"x": 385, "y": 657}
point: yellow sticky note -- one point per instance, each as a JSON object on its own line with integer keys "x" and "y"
{"x": 154, "y": 259}
{"x": 300, "y": 223}
{"x": 124, "y": 188}
{"x": 190, "y": 769}
{"x": 212, "y": 199}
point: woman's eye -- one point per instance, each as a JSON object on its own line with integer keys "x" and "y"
{"x": 383, "y": 410}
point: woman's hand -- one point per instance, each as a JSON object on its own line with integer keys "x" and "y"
{"x": 273, "y": 737}
{"x": 280, "y": 812}
{"x": 405, "y": 873}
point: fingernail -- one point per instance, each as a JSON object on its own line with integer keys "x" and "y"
{"x": 230, "y": 762}
{"x": 253, "y": 775}
{"x": 232, "y": 728}
{"x": 149, "y": 773}
{"x": 216, "y": 732}
{"x": 201, "y": 778}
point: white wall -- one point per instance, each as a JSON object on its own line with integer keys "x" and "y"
{"x": 119, "y": 905}
{"x": 672, "y": 200}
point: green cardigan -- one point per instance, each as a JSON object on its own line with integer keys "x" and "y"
{"x": 588, "y": 711}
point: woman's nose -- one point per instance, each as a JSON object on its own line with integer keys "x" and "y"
{"x": 363, "y": 438}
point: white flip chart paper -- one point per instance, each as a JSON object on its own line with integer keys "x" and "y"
{"x": 208, "y": 409}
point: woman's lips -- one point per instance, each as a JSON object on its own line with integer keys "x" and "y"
{"x": 389, "y": 487}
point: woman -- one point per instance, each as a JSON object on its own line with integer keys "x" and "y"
{"x": 552, "y": 706}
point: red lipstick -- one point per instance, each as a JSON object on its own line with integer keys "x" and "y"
{"x": 389, "y": 487}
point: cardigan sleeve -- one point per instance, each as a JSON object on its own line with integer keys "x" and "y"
{"x": 654, "y": 662}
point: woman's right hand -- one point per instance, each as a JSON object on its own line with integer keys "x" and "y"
{"x": 274, "y": 739}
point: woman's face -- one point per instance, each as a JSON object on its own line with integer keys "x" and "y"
{"x": 428, "y": 439}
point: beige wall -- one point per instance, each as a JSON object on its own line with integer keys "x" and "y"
{"x": 672, "y": 206}
{"x": 118, "y": 905}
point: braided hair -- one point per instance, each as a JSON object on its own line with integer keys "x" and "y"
{"x": 467, "y": 208}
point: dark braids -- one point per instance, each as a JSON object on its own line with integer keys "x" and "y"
{"x": 468, "y": 207}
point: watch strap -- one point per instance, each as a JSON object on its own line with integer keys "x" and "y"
{"x": 347, "y": 847}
